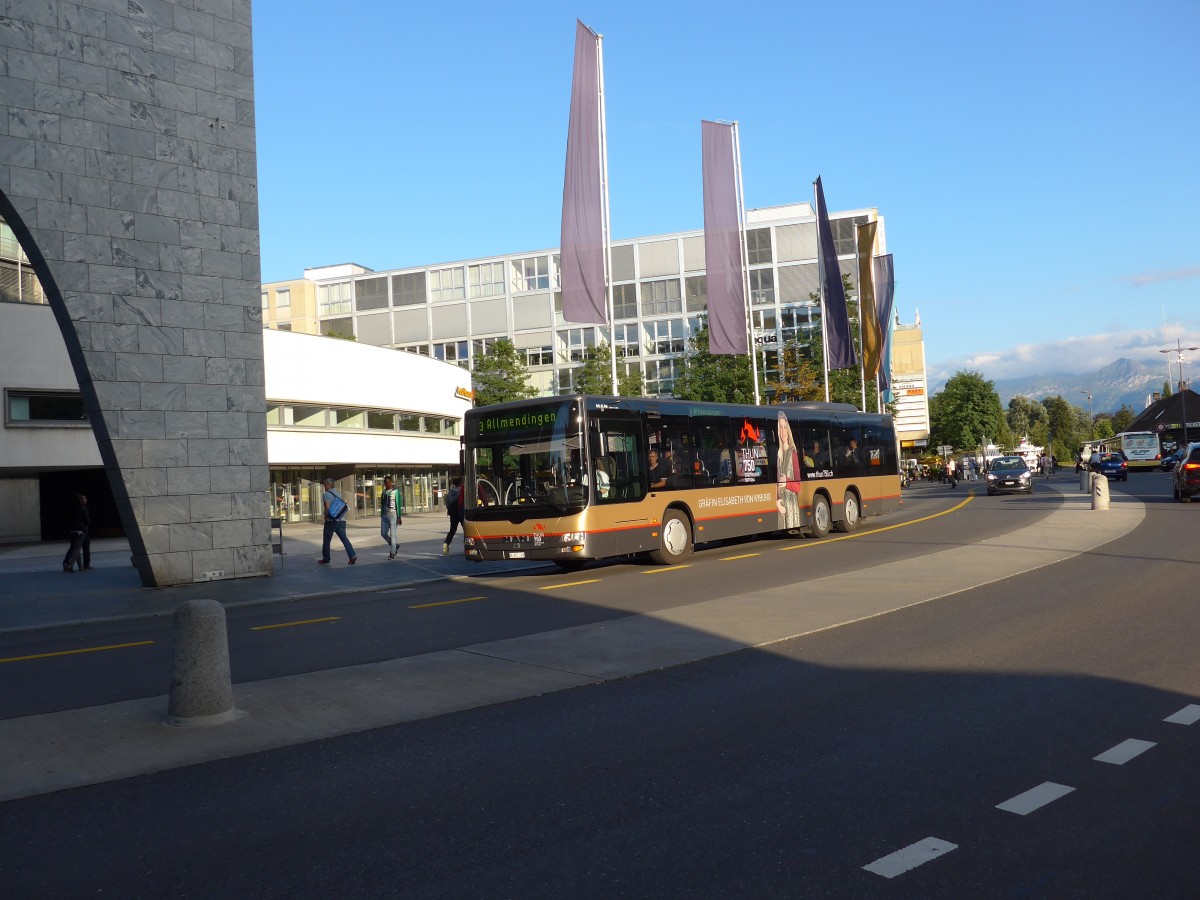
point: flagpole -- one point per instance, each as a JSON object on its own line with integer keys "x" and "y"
{"x": 737, "y": 163}
{"x": 608, "y": 290}
{"x": 821, "y": 294}
{"x": 862, "y": 363}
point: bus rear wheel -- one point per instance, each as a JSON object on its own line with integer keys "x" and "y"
{"x": 676, "y": 540}
{"x": 850, "y": 513}
{"x": 821, "y": 517}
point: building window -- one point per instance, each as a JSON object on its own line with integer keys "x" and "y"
{"x": 626, "y": 340}
{"x": 419, "y": 349}
{"x": 446, "y": 284}
{"x": 265, "y": 297}
{"x": 531, "y": 273}
{"x": 695, "y": 288}
{"x": 371, "y": 293}
{"x": 18, "y": 284}
{"x": 408, "y": 422}
{"x": 334, "y": 299}
{"x": 349, "y": 418}
{"x": 308, "y": 416}
{"x": 624, "y": 301}
{"x": 661, "y": 297}
{"x": 380, "y": 420}
{"x": 575, "y": 344}
{"x": 539, "y": 356}
{"x": 845, "y": 238}
{"x": 665, "y": 337}
{"x": 283, "y": 303}
{"x": 660, "y": 376}
{"x": 408, "y": 289}
{"x": 486, "y": 279}
{"x": 758, "y": 246}
{"x": 44, "y": 408}
{"x": 762, "y": 287}
{"x": 797, "y": 324}
{"x": 451, "y": 352}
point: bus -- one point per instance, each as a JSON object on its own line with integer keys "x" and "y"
{"x": 1141, "y": 448}
{"x": 576, "y": 478}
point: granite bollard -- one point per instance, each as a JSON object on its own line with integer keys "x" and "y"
{"x": 201, "y": 687}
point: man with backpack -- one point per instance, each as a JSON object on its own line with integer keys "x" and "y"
{"x": 335, "y": 523}
{"x": 391, "y": 514}
{"x": 454, "y": 509}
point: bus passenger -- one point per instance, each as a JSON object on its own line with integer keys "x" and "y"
{"x": 657, "y": 472}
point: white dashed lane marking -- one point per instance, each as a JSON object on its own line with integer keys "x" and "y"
{"x": 910, "y": 857}
{"x": 1124, "y": 752}
{"x": 1187, "y": 716}
{"x": 1035, "y": 798}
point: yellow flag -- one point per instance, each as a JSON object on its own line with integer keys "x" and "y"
{"x": 872, "y": 341}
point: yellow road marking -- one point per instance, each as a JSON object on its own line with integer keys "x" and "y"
{"x": 551, "y": 587}
{"x": 846, "y": 537}
{"x": 290, "y": 624}
{"x": 73, "y": 652}
{"x": 743, "y": 556}
{"x": 447, "y": 602}
{"x": 666, "y": 569}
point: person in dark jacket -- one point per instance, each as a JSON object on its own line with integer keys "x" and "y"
{"x": 79, "y": 553}
{"x": 454, "y": 509}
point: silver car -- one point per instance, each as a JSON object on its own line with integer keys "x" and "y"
{"x": 1008, "y": 474}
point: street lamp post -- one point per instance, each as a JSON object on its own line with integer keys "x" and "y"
{"x": 1091, "y": 420}
{"x": 1178, "y": 351}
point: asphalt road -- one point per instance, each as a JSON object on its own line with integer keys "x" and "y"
{"x": 267, "y": 642}
{"x": 890, "y": 757}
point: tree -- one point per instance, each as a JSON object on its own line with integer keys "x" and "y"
{"x": 1166, "y": 392}
{"x": 501, "y": 376}
{"x": 711, "y": 377}
{"x": 1104, "y": 429}
{"x": 1123, "y": 418}
{"x": 1068, "y": 425}
{"x": 595, "y": 375}
{"x": 966, "y": 407}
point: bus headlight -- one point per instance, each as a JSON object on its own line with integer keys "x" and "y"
{"x": 572, "y": 537}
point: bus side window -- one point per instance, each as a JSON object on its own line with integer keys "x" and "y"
{"x": 626, "y": 457}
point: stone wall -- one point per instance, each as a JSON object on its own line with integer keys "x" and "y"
{"x": 128, "y": 172}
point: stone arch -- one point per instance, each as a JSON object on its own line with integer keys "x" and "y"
{"x": 128, "y": 174}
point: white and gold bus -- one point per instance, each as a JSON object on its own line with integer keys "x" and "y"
{"x": 576, "y": 478}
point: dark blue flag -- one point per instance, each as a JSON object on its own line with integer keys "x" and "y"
{"x": 839, "y": 347}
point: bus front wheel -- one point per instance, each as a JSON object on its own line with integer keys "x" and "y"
{"x": 676, "y": 540}
{"x": 850, "y": 513}
{"x": 821, "y": 517}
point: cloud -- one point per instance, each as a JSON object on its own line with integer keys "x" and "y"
{"x": 1072, "y": 355}
{"x": 1183, "y": 274}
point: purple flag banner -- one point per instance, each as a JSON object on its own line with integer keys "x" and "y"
{"x": 885, "y": 291}
{"x": 839, "y": 347}
{"x": 581, "y": 259}
{"x": 722, "y": 243}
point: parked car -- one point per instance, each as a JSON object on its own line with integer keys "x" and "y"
{"x": 1186, "y": 480}
{"x": 1007, "y": 474}
{"x": 1111, "y": 465}
{"x": 1169, "y": 461}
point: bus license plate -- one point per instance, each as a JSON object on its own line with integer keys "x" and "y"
{"x": 516, "y": 554}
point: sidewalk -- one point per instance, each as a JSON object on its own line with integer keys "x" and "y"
{"x": 35, "y": 592}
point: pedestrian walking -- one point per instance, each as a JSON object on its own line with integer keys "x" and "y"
{"x": 79, "y": 521}
{"x": 454, "y": 509}
{"x": 391, "y": 514}
{"x": 952, "y": 473}
{"x": 335, "y": 523}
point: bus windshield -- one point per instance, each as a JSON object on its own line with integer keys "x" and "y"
{"x": 528, "y": 459}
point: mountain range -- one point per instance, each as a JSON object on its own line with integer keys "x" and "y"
{"x": 1124, "y": 381}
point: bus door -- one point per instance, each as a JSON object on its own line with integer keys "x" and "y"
{"x": 617, "y": 449}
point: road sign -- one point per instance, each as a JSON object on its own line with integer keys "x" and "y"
{"x": 943, "y": 449}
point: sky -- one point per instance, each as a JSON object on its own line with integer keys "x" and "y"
{"x": 1035, "y": 163}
